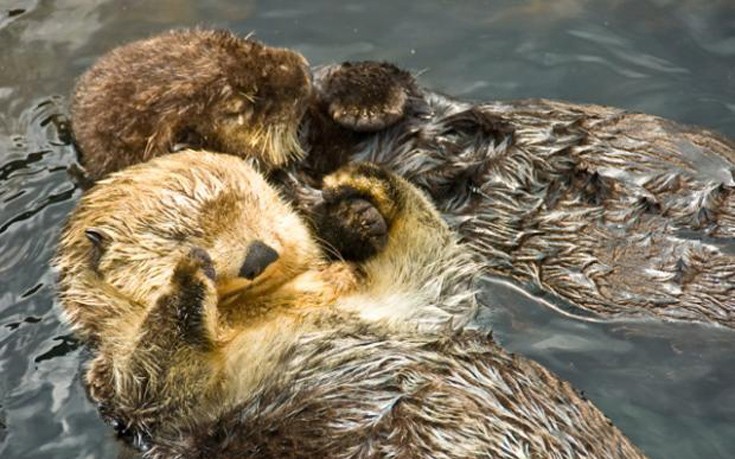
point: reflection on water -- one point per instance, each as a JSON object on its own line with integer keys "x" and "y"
{"x": 667, "y": 386}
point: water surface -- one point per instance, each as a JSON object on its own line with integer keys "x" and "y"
{"x": 668, "y": 386}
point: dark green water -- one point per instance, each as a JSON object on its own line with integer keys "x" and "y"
{"x": 669, "y": 387}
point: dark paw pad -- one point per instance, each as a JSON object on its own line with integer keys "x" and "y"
{"x": 367, "y": 96}
{"x": 187, "y": 301}
{"x": 352, "y": 226}
{"x": 198, "y": 259}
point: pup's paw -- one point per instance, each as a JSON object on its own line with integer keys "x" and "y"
{"x": 365, "y": 96}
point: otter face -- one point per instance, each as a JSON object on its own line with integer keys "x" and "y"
{"x": 130, "y": 231}
{"x": 262, "y": 105}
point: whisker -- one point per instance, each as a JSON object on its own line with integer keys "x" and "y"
{"x": 329, "y": 248}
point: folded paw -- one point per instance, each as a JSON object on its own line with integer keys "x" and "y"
{"x": 192, "y": 299}
{"x": 366, "y": 96}
{"x": 359, "y": 202}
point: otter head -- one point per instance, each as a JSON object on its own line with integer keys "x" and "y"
{"x": 258, "y": 106}
{"x": 198, "y": 88}
{"x": 126, "y": 236}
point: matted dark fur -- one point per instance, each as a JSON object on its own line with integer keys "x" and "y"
{"x": 606, "y": 213}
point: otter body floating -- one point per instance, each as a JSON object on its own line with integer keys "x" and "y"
{"x": 616, "y": 214}
{"x": 304, "y": 356}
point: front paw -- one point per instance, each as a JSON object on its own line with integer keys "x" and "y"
{"x": 366, "y": 96}
{"x": 359, "y": 202}
{"x": 351, "y": 226}
{"x": 192, "y": 300}
{"x": 369, "y": 182}
{"x": 196, "y": 263}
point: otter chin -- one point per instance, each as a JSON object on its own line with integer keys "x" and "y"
{"x": 219, "y": 324}
{"x": 197, "y": 88}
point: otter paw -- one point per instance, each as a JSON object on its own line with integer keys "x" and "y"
{"x": 351, "y": 226}
{"x": 197, "y": 260}
{"x": 367, "y": 181}
{"x": 359, "y": 202}
{"x": 193, "y": 298}
{"x": 366, "y": 96}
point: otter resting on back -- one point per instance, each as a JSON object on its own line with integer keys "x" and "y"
{"x": 220, "y": 329}
{"x": 609, "y": 214}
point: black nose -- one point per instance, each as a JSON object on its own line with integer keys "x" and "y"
{"x": 259, "y": 257}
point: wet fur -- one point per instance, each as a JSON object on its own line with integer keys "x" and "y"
{"x": 609, "y": 214}
{"x": 318, "y": 357}
{"x": 192, "y": 87}
{"x": 356, "y": 392}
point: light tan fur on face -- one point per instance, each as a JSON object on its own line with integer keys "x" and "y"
{"x": 151, "y": 218}
{"x": 155, "y": 215}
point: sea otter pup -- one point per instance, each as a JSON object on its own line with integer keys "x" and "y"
{"x": 212, "y": 89}
{"x": 205, "y": 88}
{"x": 218, "y": 328}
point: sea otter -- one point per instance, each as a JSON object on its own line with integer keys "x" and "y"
{"x": 608, "y": 214}
{"x": 213, "y": 89}
{"x": 219, "y": 328}
{"x": 201, "y": 88}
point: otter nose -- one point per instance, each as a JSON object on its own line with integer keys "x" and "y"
{"x": 259, "y": 257}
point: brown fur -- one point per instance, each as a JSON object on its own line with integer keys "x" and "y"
{"x": 202, "y": 88}
{"x": 361, "y": 393}
{"x": 609, "y": 214}
{"x": 301, "y": 360}
{"x": 615, "y": 214}
{"x": 214, "y": 90}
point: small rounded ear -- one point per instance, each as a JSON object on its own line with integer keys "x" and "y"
{"x": 97, "y": 237}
